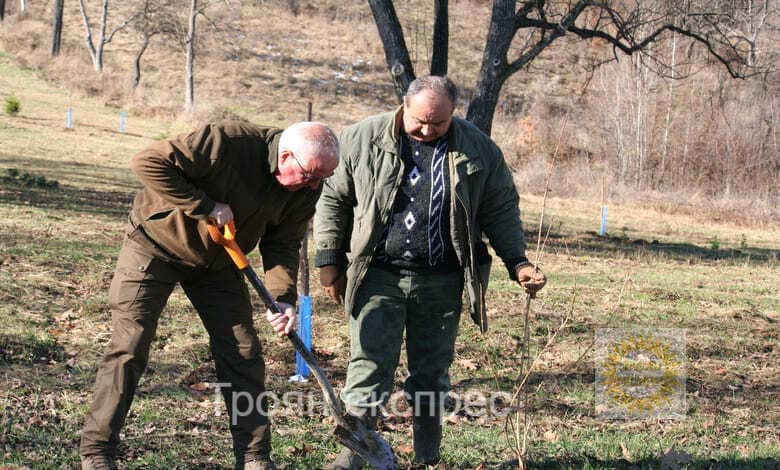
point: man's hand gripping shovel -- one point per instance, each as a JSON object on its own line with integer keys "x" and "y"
{"x": 350, "y": 431}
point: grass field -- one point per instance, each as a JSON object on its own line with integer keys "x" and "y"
{"x": 717, "y": 282}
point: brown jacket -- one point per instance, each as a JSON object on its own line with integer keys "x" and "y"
{"x": 232, "y": 163}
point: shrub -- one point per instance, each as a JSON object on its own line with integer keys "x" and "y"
{"x": 12, "y": 105}
{"x": 29, "y": 179}
{"x": 714, "y": 243}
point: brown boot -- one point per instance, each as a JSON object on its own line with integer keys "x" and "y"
{"x": 260, "y": 463}
{"x": 97, "y": 462}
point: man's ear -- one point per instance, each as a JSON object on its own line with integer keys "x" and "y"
{"x": 284, "y": 155}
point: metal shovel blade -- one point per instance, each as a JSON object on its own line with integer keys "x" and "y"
{"x": 353, "y": 433}
{"x": 350, "y": 430}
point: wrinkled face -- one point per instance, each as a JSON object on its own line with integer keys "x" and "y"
{"x": 427, "y": 115}
{"x": 296, "y": 173}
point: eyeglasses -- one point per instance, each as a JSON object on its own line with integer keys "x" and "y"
{"x": 307, "y": 176}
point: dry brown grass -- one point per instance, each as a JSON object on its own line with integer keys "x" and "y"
{"x": 290, "y": 52}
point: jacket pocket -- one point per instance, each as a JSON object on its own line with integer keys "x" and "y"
{"x": 159, "y": 215}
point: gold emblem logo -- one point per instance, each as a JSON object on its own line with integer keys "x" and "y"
{"x": 640, "y": 374}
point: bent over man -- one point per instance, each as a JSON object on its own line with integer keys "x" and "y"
{"x": 399, "y": 232}
{"x": 265, "y": 180}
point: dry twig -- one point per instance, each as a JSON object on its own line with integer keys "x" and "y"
{"x": 519, "y": 443}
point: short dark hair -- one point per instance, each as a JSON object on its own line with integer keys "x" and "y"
{"x": 442, "y": 85}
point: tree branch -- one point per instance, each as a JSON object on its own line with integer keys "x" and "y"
{"x": 621, "y": 40}
{"x": 558, "y": 30}
{"x": 120, "y": 27}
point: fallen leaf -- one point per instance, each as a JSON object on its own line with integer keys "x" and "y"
{"x": 200, "y": 386}
{"x": 404, "y": 449}
{"x": 452, "y": 419}
{"x": 468, "y": 364}
{"x": 551, "y": 436}
{"x": 35, "y": 421}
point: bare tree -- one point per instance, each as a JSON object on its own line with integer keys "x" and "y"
{"x": 2, "y": 10}
{"x": 189, "y": 43}
{"x": 56, "y": 27}
{"x": 95, "y": 48}
{"x": 155, "y": 18}
{"x": 628, "y": 27}
{"x": 668, "y": 118}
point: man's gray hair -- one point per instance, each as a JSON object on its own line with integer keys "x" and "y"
{"x": 441, "y": 85}
{"x": 309, "y": 139}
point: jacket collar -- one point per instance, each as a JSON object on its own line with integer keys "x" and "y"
{"x": 272, "y": 139}
{"x": 387, "y": 140}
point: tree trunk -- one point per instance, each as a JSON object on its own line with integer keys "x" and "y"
{"x": 396, "y": 53}
{"x": 137, "y": 74}
{"x": 190, "y": 44}
{"x": 88, "y": 37}
{"x": 101, "y": 42}
{"x": 441, "y": 34}
{"x": 56, "y": 28}
{"x": 494, "y": 70}
{"x": 2, "y": 10}
{"x": 668, "y": 120}
{"x": 22, "y": 5}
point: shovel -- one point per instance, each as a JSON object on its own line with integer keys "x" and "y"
{"x": 350, "y": 430}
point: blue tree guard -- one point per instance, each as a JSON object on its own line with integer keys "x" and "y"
{"x": 69, "y": 118}
{"x": 122, "y": 119}
{"x": 304, "y": 332}
{"x": 603, "y": 230}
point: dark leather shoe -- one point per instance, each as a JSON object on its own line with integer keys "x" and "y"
{"x": 427, "y": 438}
{"x": 346, "y": 460}
{"x": 97, "y": 462}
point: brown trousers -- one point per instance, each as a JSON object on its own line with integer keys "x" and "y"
{"x": 142, "y": 283}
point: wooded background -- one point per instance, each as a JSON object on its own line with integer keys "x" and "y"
{"x": 667, "y": 124}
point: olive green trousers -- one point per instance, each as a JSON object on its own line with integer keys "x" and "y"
{"x": 427, "y": 308}
{"x": 142, "y": 283}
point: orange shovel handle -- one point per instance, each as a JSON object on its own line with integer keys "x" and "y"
{"x": 228, "y": 240}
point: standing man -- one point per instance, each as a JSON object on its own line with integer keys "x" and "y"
{"x": 265, "y": 180}
{"x": 399, "y": 235}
